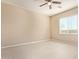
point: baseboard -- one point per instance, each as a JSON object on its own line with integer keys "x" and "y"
{"x": 22, "y": 44}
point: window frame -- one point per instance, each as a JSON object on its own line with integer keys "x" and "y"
{"x": 60, "y": 32}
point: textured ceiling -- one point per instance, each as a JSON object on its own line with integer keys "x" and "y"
{"x": 33, "y": 5}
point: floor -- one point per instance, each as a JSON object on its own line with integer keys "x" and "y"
{"x": 43, "y": 50}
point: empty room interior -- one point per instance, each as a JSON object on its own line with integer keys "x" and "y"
{"x": 39, "y": 29}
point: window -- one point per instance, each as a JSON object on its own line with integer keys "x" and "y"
{"x": 68, "y": 25}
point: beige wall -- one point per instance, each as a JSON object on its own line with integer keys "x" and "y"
{"x": 55, "y": 27}
{"x": 22, "y": 26}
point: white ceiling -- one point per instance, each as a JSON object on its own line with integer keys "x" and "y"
{"x": 33, "y": 5}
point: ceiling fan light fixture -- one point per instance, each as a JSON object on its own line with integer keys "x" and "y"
{"x": 49, "y": 3}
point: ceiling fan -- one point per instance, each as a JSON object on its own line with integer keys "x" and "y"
{"x": 49, "y": 3}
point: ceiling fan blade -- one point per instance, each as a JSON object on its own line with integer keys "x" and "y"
{"x": 50, "y": 7}
{"x": 43, "y": 4}
{"x": 56, "y": 2}
{"x": 48, "y": 0}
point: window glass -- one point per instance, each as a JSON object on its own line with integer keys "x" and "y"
{"x": 68, "y": 25}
